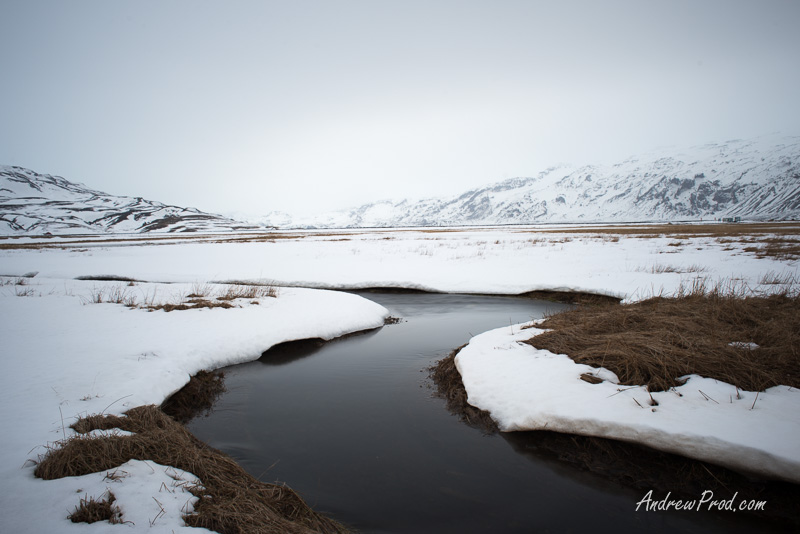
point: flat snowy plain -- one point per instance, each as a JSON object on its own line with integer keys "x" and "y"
{"x": 64, "y": 356}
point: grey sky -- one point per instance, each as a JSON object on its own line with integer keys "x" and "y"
{"x": 314, "y": 105}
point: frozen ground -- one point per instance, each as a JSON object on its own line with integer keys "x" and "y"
{"x": 498, "y": 261}
{"x": 530, "y": 389}
{"x": 64, "y": 356}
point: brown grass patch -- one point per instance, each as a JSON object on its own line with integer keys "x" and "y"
{"x": 571, "y": 297}
{"x": 90, "y": 510}
{"x": 659, "y": 340}
{"x": 230, "y": 500}
{"x": 196, "y": 299}
{"x": 450, "y": 387}
{"x": 683, "y": 231}
{"x": 779, "y": 247}
{"x": 193, "y": 304}
{"x": 196, "y": 397}
{"x": 107, "y": 278}
{"x": 630, "y": 464}
{"x": 242, "y": 290}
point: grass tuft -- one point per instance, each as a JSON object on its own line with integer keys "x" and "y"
{"x": 196, "y": 397}
{"x": 450, "y": 387}
{"x": 230, "y": 500}
{"x": 247, "y": 291}
{"x": 90, "y": 510}
{"x": 629, "y": 464}
{"x": 200, "y": 296}
{"x": 657, "y": 341}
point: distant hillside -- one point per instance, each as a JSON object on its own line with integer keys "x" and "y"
{"x": 33, "y": 203}
{"x": 753, "y": 179}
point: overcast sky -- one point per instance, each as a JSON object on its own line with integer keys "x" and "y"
{"x": 305, "y": 106}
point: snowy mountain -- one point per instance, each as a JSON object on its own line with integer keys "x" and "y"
{"x": 752, "y": 179}
{"x": 36, "y": 203}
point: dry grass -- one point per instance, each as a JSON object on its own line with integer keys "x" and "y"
{"x": 783, "y": 278}
{"x": 608, "y": 232}
{"x": 118, "y": 294}
{"x": 629, "y": 464}
{"x": 24, "y": 291}
{"x": 19, "y": 284}
{"x": 107, "y": 278}
{"x": 90, "y": 510}
{"x": 681, "y": 231}
{"x": 660, "y": 268}
{"x": 659, "y": 340}
{"x": 200, "y": 296}
{"x": 192, "y": 304}
{"x": 778, "y": 247}
{"x": 571, "y": 297}
{"x": 196, "y": 397}
{"x": 200, "y": 290}
{"x": 243, "y": 290}
{"x": 451, "y": 389}
{"x": 230, "y": 500}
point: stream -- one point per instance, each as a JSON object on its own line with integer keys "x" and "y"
{"x": 353, "y": 425}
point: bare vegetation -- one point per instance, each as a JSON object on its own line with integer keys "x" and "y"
{"x": 90, "y": 510}
{"x": 660, "y": 268}
{"x": 779, "y": 247}
{"x": 629, "y": 464}
{"x": 247, "y": 291}
{"x": 24, "y": 291}
{"x": 107, "y": 278}
{"x": 450, "y": 387}
{"x": 571, "y": 297}
{"x": 783, "y": 278}
{"x": 196, "y": 397}
{"x": 657, "y": 341}
{"x": 200, "y": 296}
{"x": 230, "y": 500}
{"x": 787, "y": 230}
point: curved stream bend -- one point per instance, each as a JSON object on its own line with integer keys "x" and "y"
{"x": 354, "y": 427}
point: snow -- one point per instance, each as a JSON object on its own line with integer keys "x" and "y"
{"x": 63, "y": 356}
{"x": 499, "y": 261}
{"x": 753, "y": 178}
{"x": 150, "y": 497}
{"x": 524, "y": 388}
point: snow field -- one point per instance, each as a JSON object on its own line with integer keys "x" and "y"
{"x": 63, "y": 356}
{"x": 524, "y": 388}
{"x": 497, "y": 261}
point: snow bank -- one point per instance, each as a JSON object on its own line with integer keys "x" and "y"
{"x": 62, "y": 358}
{"x": 499, "y": 261}
{"x": 524, "y": 388}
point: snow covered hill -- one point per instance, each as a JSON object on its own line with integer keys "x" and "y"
{"x": 752, "y": 179}
{"x": 33, "y": 203}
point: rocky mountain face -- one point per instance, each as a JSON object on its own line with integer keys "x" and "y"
{"x": 33, "y": 203}
{"x": 752, "y": 179}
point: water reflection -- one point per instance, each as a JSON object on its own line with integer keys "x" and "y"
{"x": 354, "y": 427}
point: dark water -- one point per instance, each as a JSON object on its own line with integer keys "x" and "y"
{"x": 353, "y": 426}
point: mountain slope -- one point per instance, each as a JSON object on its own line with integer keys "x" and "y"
{"x": 754, "y": 179}
{"x": 33, "y": 203}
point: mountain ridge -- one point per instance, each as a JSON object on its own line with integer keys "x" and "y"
{"x": 33, "y": 203}
{"x": 755, "y": 179}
